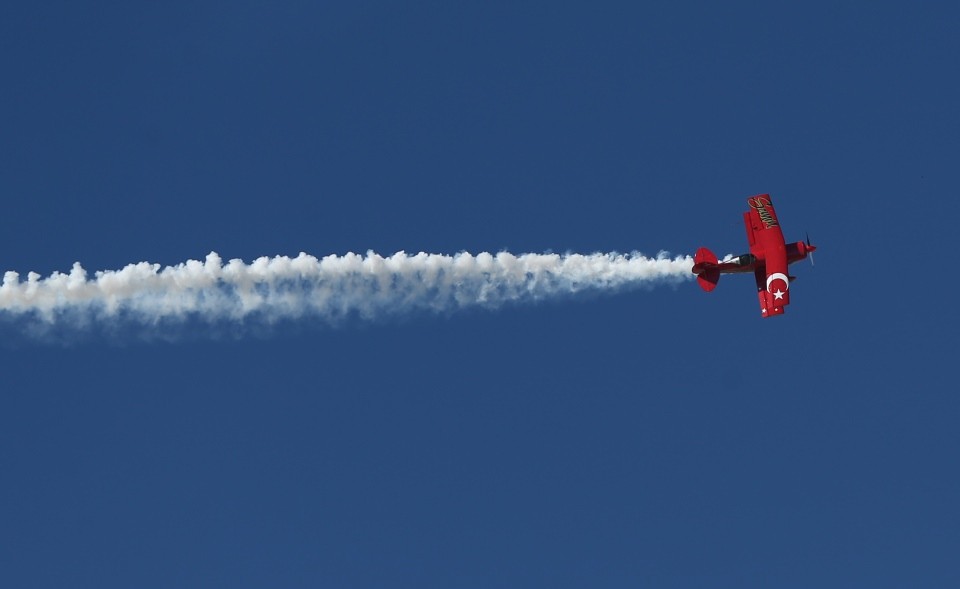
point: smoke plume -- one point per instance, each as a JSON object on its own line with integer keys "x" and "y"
{"x": 329, "y": 289}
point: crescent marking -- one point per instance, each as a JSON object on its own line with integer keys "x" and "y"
{"x": 778, "y": 276}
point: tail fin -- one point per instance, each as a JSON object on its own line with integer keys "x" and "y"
{"x": 705, "y": 267}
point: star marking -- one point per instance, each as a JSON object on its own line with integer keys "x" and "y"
{"x": 778, "y": 295}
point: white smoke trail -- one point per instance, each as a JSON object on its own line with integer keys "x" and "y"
{"x": 331, "y": 288}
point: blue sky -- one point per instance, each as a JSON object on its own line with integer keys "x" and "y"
{"x": 662, "y": 438}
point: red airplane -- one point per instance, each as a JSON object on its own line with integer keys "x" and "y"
{"x": 768, "y": 258}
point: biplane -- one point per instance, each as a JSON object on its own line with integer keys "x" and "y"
{"x": 768, "y": 259}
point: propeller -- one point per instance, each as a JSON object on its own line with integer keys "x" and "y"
{"x": 810, "y": 249}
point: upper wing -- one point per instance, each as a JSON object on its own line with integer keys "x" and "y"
{"x": 760, "y": 216}
{"x": 766, "y": 242}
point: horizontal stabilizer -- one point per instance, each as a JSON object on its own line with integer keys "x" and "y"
{"x": 705, "y": 267}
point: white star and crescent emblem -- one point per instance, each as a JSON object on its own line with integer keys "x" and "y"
{"x": 778, "y": 276}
